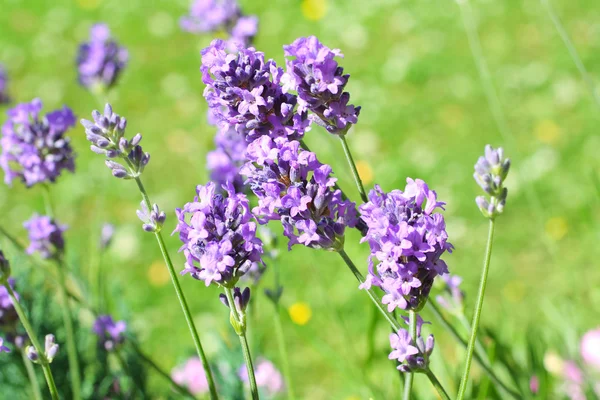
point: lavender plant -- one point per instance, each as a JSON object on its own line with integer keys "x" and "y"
{"x": 106, "y": 134}
{"x": 490, "y": 173}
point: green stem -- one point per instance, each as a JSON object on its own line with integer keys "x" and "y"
{"x": 410, "y": 377}
{"x": 477, "y": 313}
{"x": 34, "y": 341}
{"x": 283, "y": 352}
{"x": 437, "y": 385}
{"x": 483, "y": 364}
{"x": 239, "y": 326}
{"x": 180, "y": 296}
{"x": 374, "y": 297}
{"x": 48, "y": 201}
{"x": 182, "y": 390}
{"x": 359, "y": 184}
{"x": 35, "y": 384}
{"x": 70, "y": 332}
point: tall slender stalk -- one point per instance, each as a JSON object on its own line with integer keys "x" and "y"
{"x": 410, "y": 376}
{"x": 34, "y": 341}
{"x": 477, "y": 313}
{"x": 374, "y": 297}
{"x": 484, "y": 364}
{"x": 35, "y": 384}
{"x": 357, "y": 180}
{"x": 437, "y": 385}
{"x": 180, "y": 296}
{"x": 239, "y": 325}
{"x": 66, "y": 310}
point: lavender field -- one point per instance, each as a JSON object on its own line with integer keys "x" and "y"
{"x": 290, "y": 199}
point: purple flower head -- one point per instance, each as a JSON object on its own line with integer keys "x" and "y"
{"x": 243, "y": 93}
{"x": 218, "y": 235}
{"x": 110, "y": 333}
{"x": 225, "y": 161}
{"x": 293, "y": 187}
{"x": 8, "y": 315}
{"x": 453, "y": 297}
{"x": 3, "y": 348}
{"x": 106, "y": 235}
{"x": 413, "y": 355}
{"x": 192, "y": 376}
{"x": 101, "y": 60}
{"x": 45, "y": 236}
{"x": 490, "y": 173}
{"x": 34, "y": 147}
{"x": 268, "y": 377}
{"x": 153, "y": 220}
{"x": 407, "y": 238}
{"x": 210, "y": 15}
{"x": 3, "y": 85}
{"x": 315, "y": 75}
{"x": 50, "y": 351}
{"x": 240, "y": 298}
{"x": 106, "y": 134}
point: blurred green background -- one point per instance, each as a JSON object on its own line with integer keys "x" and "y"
{"x": 424, "y": 114}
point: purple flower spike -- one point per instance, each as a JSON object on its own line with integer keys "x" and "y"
{"x": 293, "y": 187}
{"x": 34, "y": 147}
{"x": 490, "y": 173}
{"x": 412, "y": 355}
{"x": 453, "y": 297}
{"x": 319, "y": 81}
{"x": 110, "y": 333}
{"x": 225, "y": 161}
{"x": 407, "y": 239}
{"x": 218, "y": 235}
{"x": 210, "y": 15}
{"x": 101, "y": 60}
{"x": 244, "y": 94}
{"x": 46, "y": 236}
{"x": 3, "y": 86}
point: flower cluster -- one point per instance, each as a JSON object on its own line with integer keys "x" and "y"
{"x": 3, "y": 85}
{"x": 45, "y": 236}
{"x": 106, "y": 134}
{"x": 34, "y": 147}
{"x": 225, "y": 161}
{"x": 50, "y": 351}
{"x": 101, "y": 60}
{"x": 110, "y": 333}
{"x": 192, "y": 376}
{"x": 244, "y": 93}
{"x": 407, "y": 239}
{"x": 153, "y": 219}
{"x": 294, "y": 187}
{"x": 3, "y": 348}
{"x": 221, "y": 15}
{"x": 453, "y": 297}
{"x": 319, "y": 81}
{"x": 220, "y": 236}
{"x": 268, "y": 377}
{"x": 490, "y": 173}
{"x": 413, "y": 355}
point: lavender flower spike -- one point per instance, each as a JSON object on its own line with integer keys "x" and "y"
{"x": 218, "y": 235}
{"x": 319, "y": 81}
{"x": 50, "y": 350}
{"x": 101, "y": 60}
{"x": 46, "y": 236}
{"x": 110, "y": 333}
{"x": 293, "y": 187}
{"x": 3, "y": 86}
{"x": 490, "y": 173}
{"x": 34, "y": 147}
{"x": 210, "y": 15}
{"x": 244, "y": 93}
{"x": 106, "y": 134}
{"x": 407, "y": 239}
{"x": 153, "y": 219}
{"x": 412, "y": 355}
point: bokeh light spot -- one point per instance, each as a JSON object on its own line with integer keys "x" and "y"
{"x": 547, "y": 131}
{"x": 364, "y": 171}
{"x": 157, "y": 274}
{"x": 300, "y": 313}
{"x": 89, "y": 4}
{"x": 314, "y": 9}
{"x": 557, "y": 228}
